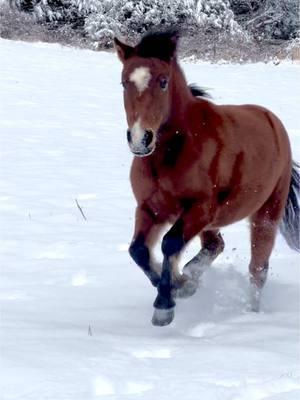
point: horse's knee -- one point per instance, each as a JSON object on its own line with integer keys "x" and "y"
{"x": 219, "y": 244}
{"x": 213, "y": 242}
{"x": 139, "y": 252}
{"x": 141, "y": 255}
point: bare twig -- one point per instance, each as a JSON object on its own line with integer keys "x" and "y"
{"x": 80, "y": 209}
{"x": 90, "y": 331}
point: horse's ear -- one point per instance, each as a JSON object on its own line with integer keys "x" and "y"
{"x": 174, "y": 37}
{"x": 123, "y": 50}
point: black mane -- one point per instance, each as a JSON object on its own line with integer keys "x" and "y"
{"x": 160, "y": 45}
{"x": 198, "y": 91}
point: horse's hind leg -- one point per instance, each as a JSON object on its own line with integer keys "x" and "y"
{"x": 263, "y": 232}
{"x": 212, "y": 246}
{"x": 264, "y": 224}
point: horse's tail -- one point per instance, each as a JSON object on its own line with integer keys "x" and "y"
{"x": 290, "y": 224}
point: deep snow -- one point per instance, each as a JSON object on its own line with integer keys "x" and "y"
{"x": 75, "y": 310}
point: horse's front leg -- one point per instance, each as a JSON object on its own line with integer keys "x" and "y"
{"x": 191, "y": 222}
{"x": 145, "y": 233}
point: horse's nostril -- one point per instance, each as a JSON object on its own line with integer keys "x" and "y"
{"x": 148, "y": 137}
{"x": 129, "y": 135}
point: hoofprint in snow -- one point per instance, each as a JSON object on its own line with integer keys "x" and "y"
{"x": 75, "y": 310}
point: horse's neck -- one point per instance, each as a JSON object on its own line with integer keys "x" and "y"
{"x": 181, "y": 96}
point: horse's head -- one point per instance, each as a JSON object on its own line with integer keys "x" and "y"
{"x": 146, "y": 78}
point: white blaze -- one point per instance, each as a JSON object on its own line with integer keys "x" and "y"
{"x": 140, "y": 77}
{"x": 137, "y": 133}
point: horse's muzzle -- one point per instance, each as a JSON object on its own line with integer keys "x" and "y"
{"x": 141, "y": 144}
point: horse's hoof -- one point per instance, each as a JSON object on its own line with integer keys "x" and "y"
{"x": 255, "y": 295}
{"x": 254, "y": 305}
{"x": 188, "y": 288}
{"x": 162, "y": 317}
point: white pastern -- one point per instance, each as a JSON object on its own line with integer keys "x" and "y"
{"x": 141, "y": 77}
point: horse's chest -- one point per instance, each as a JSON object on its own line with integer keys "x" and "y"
{"x": 171, "y": 191}
{"x": 164, "y": 205}
{"x": 180, "y": 180}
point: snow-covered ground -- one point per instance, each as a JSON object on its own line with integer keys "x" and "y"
{"x": 75, "y": 310}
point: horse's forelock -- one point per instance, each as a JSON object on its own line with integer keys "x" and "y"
{"x": 161, "y": 45}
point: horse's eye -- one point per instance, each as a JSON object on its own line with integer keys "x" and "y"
{"x": 163, "y": 84}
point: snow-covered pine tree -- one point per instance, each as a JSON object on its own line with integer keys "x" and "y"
{"x": 65, "y": 11}
{"x": 100, "y": 21}
{"x": 216, "y": 15}
{"x": 244, "y": 8}
{"x": 134, "y": 17}
{"x": 23, "y": 5}
{"x": 275, "y": 19}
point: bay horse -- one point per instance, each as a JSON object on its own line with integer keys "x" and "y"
{"x": 199, "y": 167}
